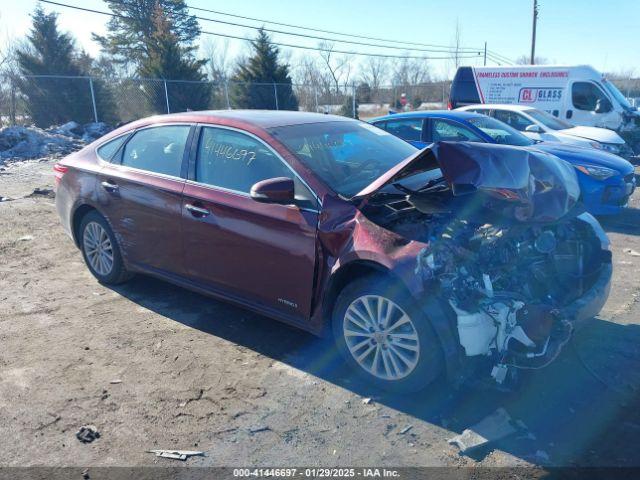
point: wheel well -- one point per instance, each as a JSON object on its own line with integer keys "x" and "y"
{"x": 340, "y": 279}
{"x": 78, "y": 215}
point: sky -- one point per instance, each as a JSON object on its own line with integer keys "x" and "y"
{"x": 604, "y": 34}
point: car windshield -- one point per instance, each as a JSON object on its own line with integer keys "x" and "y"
{"x": 548, "y": 120}
{"x": 347, "y": 156}
{"x": 617, "y": 94}
{"x": 500, "y": 131}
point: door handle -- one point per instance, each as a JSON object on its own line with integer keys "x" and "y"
{"x": 109, "y": 187}
{"x": 197, "y": 211}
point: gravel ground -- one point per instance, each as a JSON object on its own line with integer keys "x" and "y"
{"x": 155, "y": 366}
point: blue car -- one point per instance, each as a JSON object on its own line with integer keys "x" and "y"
{"x": 606, "y": 180}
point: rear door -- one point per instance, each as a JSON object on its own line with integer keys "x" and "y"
{"x": 140, "y": 193}
{"x": 259, "y": 254}
{"x": 464, "y": 90}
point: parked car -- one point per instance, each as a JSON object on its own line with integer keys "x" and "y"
{"x": 579, "y": 94}
{"x": 417, "y": 262}
{"x": 539, "y": 125}
{"x": 606, "y": 180}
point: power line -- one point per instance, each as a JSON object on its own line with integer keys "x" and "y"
{"x": 498, "y": 59}
{"x": 340, "y": 51}
{"x": 502, "y": 58}
{"x": 352, "y": 35}
{"x": 90, "y": 10}
{"x": 466, "y": 50}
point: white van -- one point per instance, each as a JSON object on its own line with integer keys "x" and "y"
{"x": 580, "y": 94}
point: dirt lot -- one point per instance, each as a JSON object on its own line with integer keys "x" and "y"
{"x": 155, "y": 366}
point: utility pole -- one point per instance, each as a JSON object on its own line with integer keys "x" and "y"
{"x": 533, "y": 32}
{"x": 485, "y": 54}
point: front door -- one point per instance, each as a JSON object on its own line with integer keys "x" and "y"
{"x": 140, "y": 193}
{"x": 260, "y": 254}
{"x": 586, "y": 98}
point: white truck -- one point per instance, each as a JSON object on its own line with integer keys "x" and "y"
{"x": 578, "y": 94}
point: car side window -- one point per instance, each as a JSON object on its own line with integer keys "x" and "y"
{"x": 513, "y": 119}
{"x": 444, "y": 130}
{"x": 382, "y": 125}
{"x": 157, "y": 149}
{"x": 585, "y": 96}
{"x": 107, "y": 150}
{"x": 409, "y": 129}
{"x": 236, "y": 161}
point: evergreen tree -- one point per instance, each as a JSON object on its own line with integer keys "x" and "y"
{"x": 49, "y": 52}
{"x": 167, "y": 59}
{"x": 255, "y": 78}
{"x": 131, "y": 31}
{"x": 104, "y": 92}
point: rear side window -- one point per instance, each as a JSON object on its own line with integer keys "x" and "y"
{"x": 513, "y": 119}
{"x": 235, "y": 161}
{"x": 108, "y": 150}
{"x": 444, "y": 130}
{"x": 585, "y": 96}
{"x": 409, "y": 129}
{"x": 157, "y": 149}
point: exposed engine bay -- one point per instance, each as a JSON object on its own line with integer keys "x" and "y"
{"x": 504, "y": 262}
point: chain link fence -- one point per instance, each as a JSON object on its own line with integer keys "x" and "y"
{"x": 47, "y": 100}
{"x": 53, "y": 100}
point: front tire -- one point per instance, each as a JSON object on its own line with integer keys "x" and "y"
{"x": 100, "y": 250}
{"x": 384, "y": 337}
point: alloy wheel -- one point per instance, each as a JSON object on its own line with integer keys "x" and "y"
{"x": 381, "y": 337}
{"x": 98, "y": 248}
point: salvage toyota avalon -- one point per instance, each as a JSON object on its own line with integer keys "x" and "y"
{"x": 458, "y": 258}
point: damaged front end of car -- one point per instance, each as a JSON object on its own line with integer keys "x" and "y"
{"x": 508, "y": 248}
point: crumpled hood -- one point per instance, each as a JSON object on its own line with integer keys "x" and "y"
{"x": 540, "y": 186}
{"x": 582, "y": 155}
{"x": 602, "y": 135}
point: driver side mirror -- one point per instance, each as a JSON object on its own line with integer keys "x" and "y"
{"x": 280, "y": 190}
{"x": 533, "y": 128}
{"x": 603, "y": 105}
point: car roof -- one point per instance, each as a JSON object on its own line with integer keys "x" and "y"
{"x": 450, "y": 114}
{"x": 250, "y": 118}
{"x": 501, "y": 106}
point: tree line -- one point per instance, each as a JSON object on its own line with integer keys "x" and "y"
{"x": 145, "y": 39}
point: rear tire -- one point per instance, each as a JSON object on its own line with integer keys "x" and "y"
{"x": 100, "y": 250}
{"x": 384, "y": 337}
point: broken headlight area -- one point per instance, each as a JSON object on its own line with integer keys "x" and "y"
{"x": 507, "y": 285}
{"x": 505, "y": 249}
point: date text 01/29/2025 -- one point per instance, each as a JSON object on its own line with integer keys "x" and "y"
{"x": 317, "y": 472}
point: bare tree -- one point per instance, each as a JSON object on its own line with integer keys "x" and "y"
{"x": 526, "y": 60}
{"x": 338, "y": 66}
{"x": 373, "y": 72}
{"x": 9, "y": 72}
{"x": 219, "y": 65}
{"x": 313, "y": 81}
{"x": 410, "y": 71}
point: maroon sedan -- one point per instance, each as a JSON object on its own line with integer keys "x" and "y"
{"x": 418, "y": 263}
